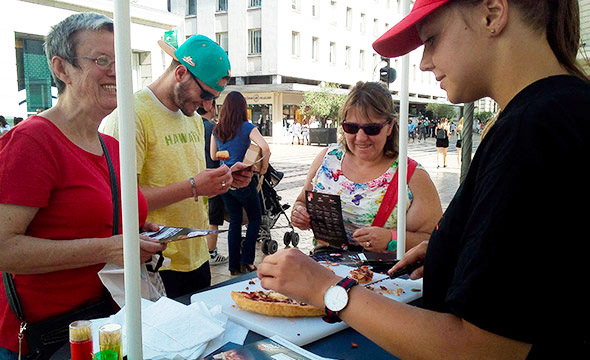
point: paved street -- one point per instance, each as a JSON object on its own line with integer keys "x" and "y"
{"x": 294, "y": 161}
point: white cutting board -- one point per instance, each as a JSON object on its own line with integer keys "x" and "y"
{"x": 300, "y": 331}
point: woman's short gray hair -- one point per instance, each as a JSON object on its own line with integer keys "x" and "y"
{"x": 61, "y": 40}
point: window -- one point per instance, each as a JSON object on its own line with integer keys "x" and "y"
{"x": 362, "y": 59}
{"x": 332, "y": 56}
{"x": 334, "y": 12}
{"x": 33, "y": 73}
{"x": 255, "y": 3}
{"x": 191, "y": 7}
{"x": 363, "y": 23}
{"x": 254, "y": 42}
{"x": 347, "y": 57}
{"x": 221, "y": 5}
{"x": 349, "y": 18}
{"x": 315, "y": 8}
{"x": 221, "y": 39}
{"x": 375, "y": 27}
{"x": 295, "y": 43}
{"x": 315, "y": 48}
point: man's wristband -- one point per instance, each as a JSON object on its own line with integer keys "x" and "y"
{"x": 194, "y": 188}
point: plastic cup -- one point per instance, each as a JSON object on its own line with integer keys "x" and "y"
{"x": 110, "y": 338}
{"x": 81, "y": 340}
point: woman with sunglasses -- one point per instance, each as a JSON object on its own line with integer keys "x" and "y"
{"x": 234, "y": 133}
{"x": 360, "y": 169}
{"x": 513, "y": 238}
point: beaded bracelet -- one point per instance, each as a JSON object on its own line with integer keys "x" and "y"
{"x": 194, "y": 188}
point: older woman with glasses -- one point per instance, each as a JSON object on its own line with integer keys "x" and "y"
{"x": 56, "y": 170}
{"x": 360, "y": 169}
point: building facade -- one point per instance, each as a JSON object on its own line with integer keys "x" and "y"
{"x": 25, "y": 81}
{"x": 279, "y": 49}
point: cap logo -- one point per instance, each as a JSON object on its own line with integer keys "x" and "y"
{"x": 188, "y": 60}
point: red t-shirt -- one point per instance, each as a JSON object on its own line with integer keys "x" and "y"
{"x": 40, "y": 167}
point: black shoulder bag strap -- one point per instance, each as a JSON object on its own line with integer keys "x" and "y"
{"x": 114, "y": 187}
{"x": 9, "y": 287}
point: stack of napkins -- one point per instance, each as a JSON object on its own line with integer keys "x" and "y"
{"x": 173, "y": 330}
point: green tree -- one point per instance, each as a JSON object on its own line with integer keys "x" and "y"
{"x": 323, "y": 104}
{"x": 440, "y": 111}
{"x": 483, "y": 116}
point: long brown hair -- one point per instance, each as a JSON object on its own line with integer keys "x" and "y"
{"x": 560, "y": 20}
{"x": 234, "y": 112}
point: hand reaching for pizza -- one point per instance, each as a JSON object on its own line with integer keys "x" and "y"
{"x": 296, "y": 275}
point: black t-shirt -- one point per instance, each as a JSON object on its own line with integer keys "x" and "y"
{"x": 510, "y": 253}
{"x": 208, "y": 125}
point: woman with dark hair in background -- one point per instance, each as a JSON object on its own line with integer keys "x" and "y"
{"x": 233, "y": 133}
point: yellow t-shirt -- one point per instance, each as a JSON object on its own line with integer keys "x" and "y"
{"x": 170, "y": 148}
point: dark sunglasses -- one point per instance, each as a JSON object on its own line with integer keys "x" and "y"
{"x": 369, "y": 129}
{"x": 205, "y": 95}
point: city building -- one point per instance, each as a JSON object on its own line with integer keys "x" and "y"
{"x": 25, "y": 81}
{"x": 281, "y": 49}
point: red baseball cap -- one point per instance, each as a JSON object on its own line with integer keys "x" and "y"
{"x": 403, "y": 37}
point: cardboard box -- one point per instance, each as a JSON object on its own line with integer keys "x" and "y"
{"x": 253, "y": 155}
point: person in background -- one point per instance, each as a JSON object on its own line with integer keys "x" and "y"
{"x": 501, "y": 243}
{"x": 459, "y": 137}
{"x": 411, "y": 132}
{"x": 360, "y": 170}
{"x": 233, "y": 133}
{"x": 442, "y": 141}
{"x": 170, "y": 143}
{"x": 214, "y": 203}
{"x": 56, "y": 227}
{"x": 17, "y": 120}
{"x": 4, "y": 127}
{"x": 305, "y": 133}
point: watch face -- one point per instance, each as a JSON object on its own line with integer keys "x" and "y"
{"x": 336, "y": 298}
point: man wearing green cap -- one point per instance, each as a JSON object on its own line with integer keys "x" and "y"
{"x": 171, "y": 167}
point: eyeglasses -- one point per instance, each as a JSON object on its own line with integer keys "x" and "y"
{"x": 103, "y": 61}
{"x": 369, "y": 129}
{"x": 205, "y": 95}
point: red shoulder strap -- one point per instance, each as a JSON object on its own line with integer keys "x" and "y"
{"x": 390, "y": 199}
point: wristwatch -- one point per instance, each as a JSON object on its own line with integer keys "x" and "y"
{"x": 336, "y": 299}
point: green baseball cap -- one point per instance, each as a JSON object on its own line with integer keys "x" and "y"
{"x": 203, "y": 57}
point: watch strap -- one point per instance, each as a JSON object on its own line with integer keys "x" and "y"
{"x": 332, "y": 316}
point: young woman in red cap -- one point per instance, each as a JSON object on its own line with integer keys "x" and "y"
{"x": 502, "y": 269}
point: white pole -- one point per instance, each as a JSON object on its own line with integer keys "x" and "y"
{"x": 128, "y": 180}
{"x": 402, "y": 189}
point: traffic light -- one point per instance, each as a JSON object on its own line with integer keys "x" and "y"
{"x": 387, "y": 74}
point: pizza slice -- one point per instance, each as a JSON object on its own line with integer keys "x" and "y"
{"x": 272, "y": 303}
{"x": 222, "y": 155}
{"x": 362, "y": 275}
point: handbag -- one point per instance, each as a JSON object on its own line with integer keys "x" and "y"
{"x": 47, "y": 336}
{"x": 390, "y": 199}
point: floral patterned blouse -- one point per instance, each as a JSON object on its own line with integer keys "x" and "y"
{"x": 360, "y": 202}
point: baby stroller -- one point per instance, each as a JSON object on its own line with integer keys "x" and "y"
{"x": 272, "y": 210}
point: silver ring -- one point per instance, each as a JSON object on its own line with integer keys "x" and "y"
{"x": 223, "y": 184}
{"x": 367, "y": 244}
